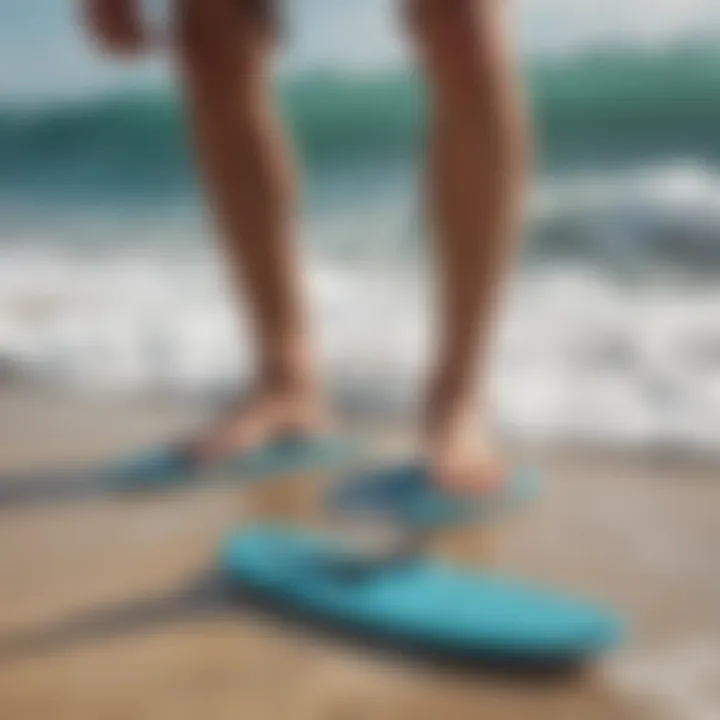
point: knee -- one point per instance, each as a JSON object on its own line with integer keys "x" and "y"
{"x": 199, "y": 50}
{"x": 196, "y": 35}
{"x": 456, "y": 41}
{"x": 446, "y": 27}
{"x": 216, "y": 44}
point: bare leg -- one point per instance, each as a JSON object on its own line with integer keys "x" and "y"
{"x": 226, "y": 48}
{"x": 476, "y": 170}
{"x": 115, "y": 25}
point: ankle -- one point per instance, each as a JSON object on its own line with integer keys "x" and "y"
{"x": 450, "y": 402}
{"x": 290, "y": 377}
{"x": 300, "y": 389}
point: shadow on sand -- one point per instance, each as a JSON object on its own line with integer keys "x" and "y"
{"x": 51, "y": 487}
{"x": 212, "y": 597}
{"x": 61, "y": 487}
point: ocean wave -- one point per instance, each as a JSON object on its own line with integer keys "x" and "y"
{"x": 605, "y": 108}
{"x": 578, "y": 357}
{"x": 656, "y": 222}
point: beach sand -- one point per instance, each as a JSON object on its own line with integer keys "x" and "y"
{"x": 109, "y": 608}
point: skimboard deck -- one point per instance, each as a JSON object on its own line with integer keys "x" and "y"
{"x": 428, "y": 603}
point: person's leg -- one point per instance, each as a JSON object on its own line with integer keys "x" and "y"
{"x": 226, "y": 49}
{"x": 476, "y": 149}
{"x": 115, "y": 25}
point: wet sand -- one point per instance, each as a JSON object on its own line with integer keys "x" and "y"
{"x": 109, "y": 608}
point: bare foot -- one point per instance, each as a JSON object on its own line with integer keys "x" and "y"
{"x": 268, "y": 416}
{"x": 461, "y": 459}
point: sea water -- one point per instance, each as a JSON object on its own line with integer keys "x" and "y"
{"x": 610, "y": 329}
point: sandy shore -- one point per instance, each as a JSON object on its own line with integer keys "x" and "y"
{"x": 108, "y": 607}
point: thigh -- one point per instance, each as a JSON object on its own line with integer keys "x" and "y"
{"x": 115, "y": 24}
{"x": 464, "y": 17}
{"x": 265, "y": 13}
{"x": 225, "y": 17}
{"x": 212, "y": 34}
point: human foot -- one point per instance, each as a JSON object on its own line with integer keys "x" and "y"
{"x": 268, "y": 416}
{"x": 460, "y": 459}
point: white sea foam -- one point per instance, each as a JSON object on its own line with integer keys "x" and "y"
{"x": 661, "y": 219}
{"x": 611, "y": 330}
{"x": 577, "y": 357}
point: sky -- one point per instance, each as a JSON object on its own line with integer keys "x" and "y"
{"x": 44, "y": 54}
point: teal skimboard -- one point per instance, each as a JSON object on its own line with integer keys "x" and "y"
{"x": 418, "y": 602}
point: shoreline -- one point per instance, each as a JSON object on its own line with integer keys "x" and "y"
{"x": 105, "y": 609}
{"x": 363, "y": 411}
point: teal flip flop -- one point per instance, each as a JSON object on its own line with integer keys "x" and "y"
{"x": 166, "y": 467}
{"x": 405, "y": 494}
{"x": 420, "y": 601}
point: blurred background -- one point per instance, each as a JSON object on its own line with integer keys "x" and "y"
{"x": 109, "y": 278}
{"x": 113, "y": 295}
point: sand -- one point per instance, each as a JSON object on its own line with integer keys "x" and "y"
{"x": 109, "y": 608}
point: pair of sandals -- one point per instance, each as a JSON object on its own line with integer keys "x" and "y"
{"x": 402, "y": 493}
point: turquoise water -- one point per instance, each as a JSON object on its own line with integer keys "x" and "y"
{"x": 610, "y": 329}
{"x": 599, "y": 111}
